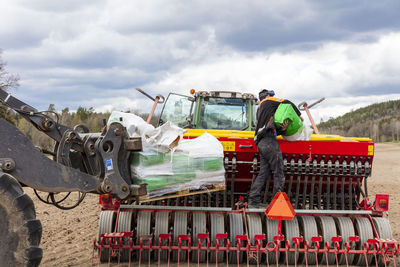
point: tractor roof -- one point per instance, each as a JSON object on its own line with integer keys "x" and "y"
{"x": 226, "y": 94}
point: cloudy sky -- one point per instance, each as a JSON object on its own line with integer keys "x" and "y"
{"x": 94, "y": 53}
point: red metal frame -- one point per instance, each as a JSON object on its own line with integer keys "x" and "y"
{"x": 388, "y": 250}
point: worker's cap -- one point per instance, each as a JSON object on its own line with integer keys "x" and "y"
{"x": 264, "y": 93}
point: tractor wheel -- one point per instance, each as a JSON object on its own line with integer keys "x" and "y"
{"x": 180, "y": 228}
{"x": 106, "y": 223}
{"x": 235, "y": 228}
{"x": 19, "y": 227}
{"x": 254, "y": 228}
{"x": 271, "y": 227}
{"x": 308, "y": 228}
{"x": 291, "y": 229}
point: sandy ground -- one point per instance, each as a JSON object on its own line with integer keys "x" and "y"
{"x": 68, "y": 235}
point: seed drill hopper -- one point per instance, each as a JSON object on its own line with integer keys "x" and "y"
{"x": 336, "y": 223}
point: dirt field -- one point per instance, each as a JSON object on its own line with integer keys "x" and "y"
{"x": 68, "y": 235}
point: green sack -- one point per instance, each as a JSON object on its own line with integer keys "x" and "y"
{"x": 182, "y": 163}
{"x": 154, "y": 182}
{"x": 147, "y": 158}
{"x": 286, "y": 111}
{"x": 209, "y": 164}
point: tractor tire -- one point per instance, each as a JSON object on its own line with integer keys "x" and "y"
{"x": 19, "y": 228}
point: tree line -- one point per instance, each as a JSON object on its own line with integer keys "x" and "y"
{"x": 380, "y": 121}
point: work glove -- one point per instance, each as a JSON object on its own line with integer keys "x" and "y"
{"x": 285, "y": 124}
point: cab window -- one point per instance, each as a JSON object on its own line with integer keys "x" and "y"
{"x": 176, "y": 110}
{"x": 224, "y": 113}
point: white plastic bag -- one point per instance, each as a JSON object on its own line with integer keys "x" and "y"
{"x": 205, "y": 145}
{"x": 134, "y": 124}
{"x": 304, "y": 135}
{"x": 164, "y": 138}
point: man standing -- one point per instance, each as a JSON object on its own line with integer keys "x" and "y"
{"x": 268, "y": 147}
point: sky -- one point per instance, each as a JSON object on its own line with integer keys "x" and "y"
{"x": 94, "y": 53}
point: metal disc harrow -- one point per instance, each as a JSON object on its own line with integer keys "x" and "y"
{"x": 193, "y": 235}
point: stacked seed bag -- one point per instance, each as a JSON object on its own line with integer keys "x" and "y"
{"x": 169, "y": 163}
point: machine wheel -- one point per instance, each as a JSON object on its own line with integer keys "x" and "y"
{"x": 384, "y": 231}
{"x": 235, "y": 228}
{"x": 105, "y": 226}
{"x": 161, "y": 227}
{"x": 255, "y": 228}
{"x": 345, "y": 229}
{"x": 292, "y": 230}
{"x": 272, "y": 230}
{"x": 180, "y": 228}
{"x": 199, "y": 227}
{"x": 309, "y": 228}
{"x": 217, "y": 227}
{"x": 364, "y": 231}
{"x": 143, "y": 229}
{"x": 19, "y": 229}
{"x": 326, "y": 229}
{"x": 383, "y": 228}
{"x": 124, "y": 225}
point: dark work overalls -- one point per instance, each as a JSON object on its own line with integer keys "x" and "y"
{"x": 268, "y": 147}
{"x": 270, "y": 160}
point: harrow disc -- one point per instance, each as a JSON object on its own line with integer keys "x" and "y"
{"x": 308, "y": 227}
{"x": 124, "y": 225}
{"x": 255, "y": 228}
{"x": 143, "y": 231}
{"x": 217, "y": 221}
{"x": 345, "y": 229}
{"x": 327, "y": 229}
{"x": 235, "y": 228}
{"x": 199, "y": 227}
{"x": 105, "y": 226}
{"x": 180, "y": 228}
{"x": 161, "y": 227}
{"x": 364, "y": 231}
{"x": 292, "y": 230}
{"x": 272, "y": 230}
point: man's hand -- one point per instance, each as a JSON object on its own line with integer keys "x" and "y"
{"x": 285, "y": 124}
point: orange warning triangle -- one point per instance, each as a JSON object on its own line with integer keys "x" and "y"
{"x": 280, "y": 208}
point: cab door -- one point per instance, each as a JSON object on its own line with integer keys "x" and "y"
{"x": 177, "y": 109}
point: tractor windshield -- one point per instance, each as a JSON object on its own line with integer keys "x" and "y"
{"x": 176, "y": 110}
{"x": 224, "y": 113}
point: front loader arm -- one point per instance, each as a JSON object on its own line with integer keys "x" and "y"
{"x": 29, "y": 166}
{"x": 38, "y": 119}
{"x": 102, "y": 158}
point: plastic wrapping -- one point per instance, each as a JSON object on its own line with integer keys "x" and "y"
{"x": 134, "y": 124}
{"x": 195, "y": 164}
{"x": 168, "y": 163}
{"x": 163, "y": 138}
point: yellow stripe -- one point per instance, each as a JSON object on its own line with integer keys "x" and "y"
{"x": 250, "y": 135}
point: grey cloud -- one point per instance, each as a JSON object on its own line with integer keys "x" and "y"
{"x": 75, "y": 51}
{"x": 329, "y": 20}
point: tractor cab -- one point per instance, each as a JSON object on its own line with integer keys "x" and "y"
{"x": 216, "y": 110}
